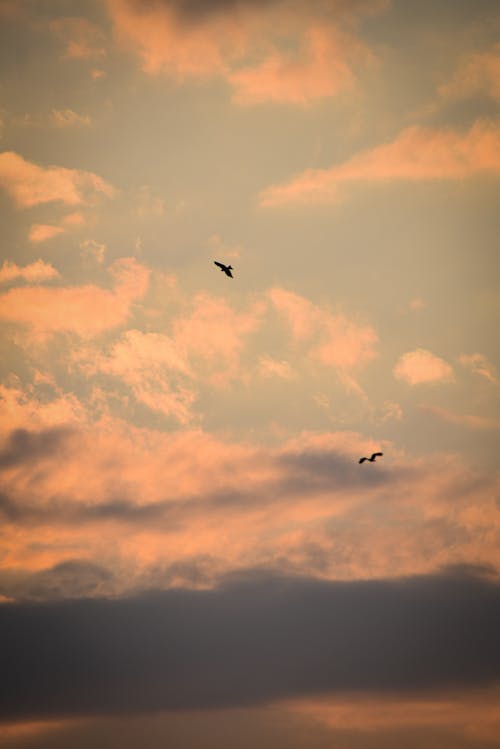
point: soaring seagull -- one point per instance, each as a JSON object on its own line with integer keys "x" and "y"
{"x": 225, "y": 268}
{"x": 372, "y": 459}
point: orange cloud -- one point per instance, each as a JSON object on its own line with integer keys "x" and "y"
{"x": 30, "y": 184}
{"x": 478, "y": 73}
{"x": 82, "y": 39}
{"x": 269, "y": 367}
{"x": 332, "y": 340}
{"x": 42, "y": 232}
{"x": 36, "y": 272}
{"x": 479, "y": 364}
{"x": 245, "y": 45}
{"x": 212, "y": 332}
{"x": 69, "y": 118}
{"x": 84, "y": 310}
{"x": 418, "y": 153}
{"x": 160, "y": 509}
{"x": 279, "y": 78}
{"x": 467, "y": 420}
{"x": 474, "y": 714}
{"x": 155, "y": 368}
{"x": 421, "y": 367}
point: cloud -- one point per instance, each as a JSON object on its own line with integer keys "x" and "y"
{"x": 74, "y": 578}
{"x": 197, "y": 331}
{"x": 332, "y": 340}
{"x": 30, "y": 184}
{"x": 312, "y": 56}
{"x": 82, "y": 39}
{"x": 37, "y": 272}
{"x": 68, "y": 118}
{"x": 479, "y": 364}
{"x": 466, "y": 420}
{"x": 269, "y": 367}
{"x": 91, "y": 249}
{"x": 478, "y": 73}
{"x": 21, "y": 407}
{"x": 42, "y": 232}
{"x": 85, "y": 310}
{"x": 421, "y": 366}
{"x": 323, "y": 72}
{"x": 24, "y": 446}
{"x": 417, "y": 154}
{"x": 255, "y": 639}
{"x": 156, "y": 370}
{"x": 190, "y": 507}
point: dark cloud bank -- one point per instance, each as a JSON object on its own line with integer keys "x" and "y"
{"x": 252, "y": 640}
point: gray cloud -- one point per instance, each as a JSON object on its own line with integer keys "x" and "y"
{"x": 73, "y": 578}
{"x": 23, "y": 446}
{"x": 197, "y": 10}
{"x": 255, "y": 639}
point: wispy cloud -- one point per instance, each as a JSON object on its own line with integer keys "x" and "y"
{"x": 479, "y": 364}
{"x": 81, "y": 38}
{"x": 68, "y": 118}
{"x": 331, "y": 339}
{"x": 478, "y": 73}
{"x": 417, "y": 154}
{"x": 42, "y": 232}
{"x": 470, "y": 421}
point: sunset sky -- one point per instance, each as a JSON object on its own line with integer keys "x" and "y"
{"x": 191, "y": 555}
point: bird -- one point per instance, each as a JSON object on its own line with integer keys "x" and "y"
{"x": 372, "y": 459}
{"x": 225, "y": 268}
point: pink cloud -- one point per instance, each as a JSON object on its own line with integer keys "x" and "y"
{"x": 323, "y": 72}
{"x": 186, "y": 495}
{"x": 246, "y": 46}
{"x": 418, "y": 153}
{"x": 74, "y": 219}
{"x": 82, "y": 39}
{"x": 470, "y": 713}
{"x": 421, "y": 366}
{"x": 478, "y": 73}
{"x": 68, "y": 118}
{"x": 84, "y": 310}
{"x": 269, "y": 367}
{"x": 21, "y": 406}
{"x": 479, "y": 364}
{"x": 36, "y": 272}
{"x": 42, "y": 232}
{"x": 467, "y": 420}
{"x": 212, "y": 332}
{"x": 332, "y": 340}
{"x": 30, "y": 184}
{"x": 156, "y": 370}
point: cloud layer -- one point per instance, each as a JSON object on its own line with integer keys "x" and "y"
{"x": 250, "y": 641}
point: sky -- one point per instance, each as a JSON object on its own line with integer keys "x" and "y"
{"x": 191, "y": 554}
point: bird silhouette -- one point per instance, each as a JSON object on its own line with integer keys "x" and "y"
{"x": 225, "y": 268}
{"x": 372, "y": 459}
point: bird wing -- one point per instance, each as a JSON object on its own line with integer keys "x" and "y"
{"x": 376, "y": 455}
{"x": 220, "y": 265}
{"x": 228, "y": 272}
{"x": 362, "y": 460}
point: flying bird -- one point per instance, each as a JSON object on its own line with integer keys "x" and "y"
{"x": 225, "y": 268}
{"x": 372, "y": 459}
